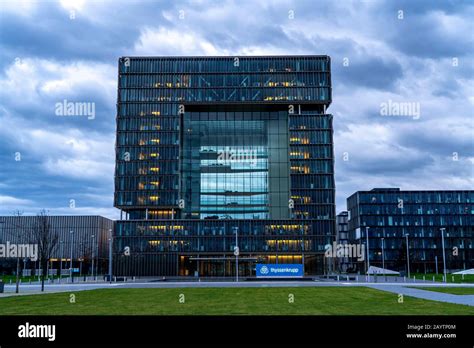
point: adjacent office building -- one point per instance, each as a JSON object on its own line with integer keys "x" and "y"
{"x": 85, "y": 238}
{"x": 214, "y": 153}
{"x": 420, "y": 218}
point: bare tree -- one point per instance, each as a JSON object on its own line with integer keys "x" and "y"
{"x": 46, "y": 239}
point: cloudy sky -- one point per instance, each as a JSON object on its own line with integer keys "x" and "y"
{"x": 383, "y": 53}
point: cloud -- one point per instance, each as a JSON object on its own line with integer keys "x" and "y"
{"x": 49, "y": 54}
{"x": 171, "y": 42}
{"x": 435, "y": 34}
{"x": 7, "y": 200}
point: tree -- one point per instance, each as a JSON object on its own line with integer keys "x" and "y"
{"x": 46, "y": 239}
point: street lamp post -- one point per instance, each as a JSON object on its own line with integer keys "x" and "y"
{"x": 408, "y": 256}
{"x": 17, "y": 288}
{"x": 92, "y": 257}
{"x": 97, "y": 257}
{"x": 61, "y": 243}
{"x": 442, "y": 229}
{"x": 368, "y": 258}
{"x": 71, "y": 273}
{"x": 236, "y": 253}
{"x": 81, "y": 258}
{"x": 383, "y": 259}
{"x": 110, "y": 254}
{"x": 302, "y": 246}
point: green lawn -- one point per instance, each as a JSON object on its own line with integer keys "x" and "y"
{"x": 468, "y": 278}
{"x": 223, "y": 301}
{"x": 454, "y": 291}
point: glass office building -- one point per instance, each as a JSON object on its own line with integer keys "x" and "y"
{"x": 218, "y": 152}
{"x": 393, "y": 214}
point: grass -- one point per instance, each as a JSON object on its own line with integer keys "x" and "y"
{"x": 457, "y": 278}
{"x": 228, "y": 301}
{"x": 454, "y": 291}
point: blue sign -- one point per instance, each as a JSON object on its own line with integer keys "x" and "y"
{"x": 279, "y": 270}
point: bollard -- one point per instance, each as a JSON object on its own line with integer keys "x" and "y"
{"x": 414, "y": 280}
{"x": 424, "y": 278}
{"x": 347, "y": 278}
{"x": 338, "y": 278}
{"x": 433, "y": 279}
{"x": 452, "y": 278}
{"x": 134, "y": 278}
{"x": 405, "y": 279}
{"x": 115, "y": 279}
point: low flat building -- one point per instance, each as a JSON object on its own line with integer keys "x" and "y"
{"x": 89, "y": 241}
{"x": 421, "y": 218}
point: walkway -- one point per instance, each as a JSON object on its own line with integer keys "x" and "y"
{"x": 427, "y": 295}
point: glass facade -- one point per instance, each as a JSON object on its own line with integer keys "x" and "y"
{"x": 235, "y": 164}
{"x": 213, "y": 147}
{"x": 89, "y": 242}
{"x": 391, "y": 214}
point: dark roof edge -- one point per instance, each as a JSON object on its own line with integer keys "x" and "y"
{"x": 236, "y": 56}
